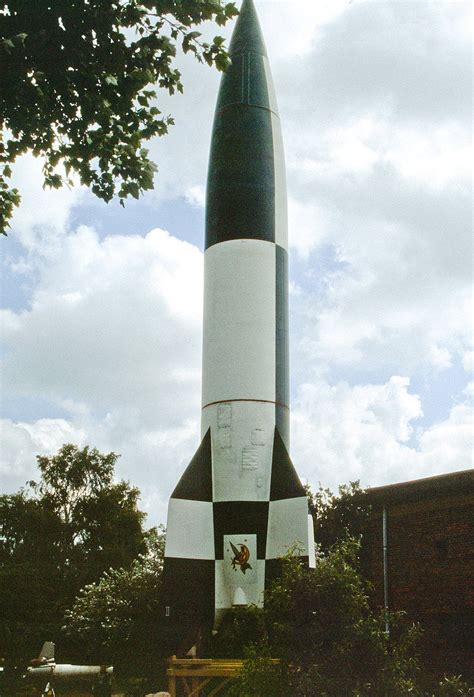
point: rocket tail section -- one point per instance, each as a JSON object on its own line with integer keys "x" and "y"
{"x": 290, "y": 525}
{"x": 220, "y": 554}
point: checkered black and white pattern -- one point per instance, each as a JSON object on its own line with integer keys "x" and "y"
{"x": 201, "y": 578}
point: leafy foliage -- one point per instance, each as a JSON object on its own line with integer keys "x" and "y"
{"x": 62, "y": 533}
{"x": 78, "y": 86}
{"x": 320, "y": 620}
{"x": 331, "y": 643}
{"x": 259, "y": 677}
{"x": 454, "y": 686}
{"x": 337, "y": 517}
{"x": 101, "y": 526}
{"x": 320, "y": 624}
{"x": 30, "y": 576}
{"x": 116, "y": 617}
{"x": 239, "y": 630}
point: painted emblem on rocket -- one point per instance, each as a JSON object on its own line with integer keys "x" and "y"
{"x": 241, "y": 557}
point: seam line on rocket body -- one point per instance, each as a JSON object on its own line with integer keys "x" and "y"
{"x": 246, "y": 105}
{"x": 249, "y": 61}
{"x": 247, "y": 239}
{"x": 260, "y": 401}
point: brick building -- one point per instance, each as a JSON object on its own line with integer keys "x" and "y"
{"x": 418, "y": 552}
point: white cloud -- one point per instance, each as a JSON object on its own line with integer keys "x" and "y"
{"x": 109, "y": 321}
{"x": 468, "y": 362}
{"x": 402, "y": 298}
{"x": 440, "y": 357}
{"x": 154, "y": 451}
{"x": 43, "y": 215}
{"x": 22, "y": 441}
{"x": 411, "y": 59}
{"x": 308, "y": 226}
{"x": 350, "y": 149}
{"x": 151, "y": 459}
{"x": 367, "y": 432}
{"x": 435, "y": 158}
{"x": 116, "y": 330}
{"x": 290, "y": 28}
{"x": 448, "y": 446}
{"x": 196, "y": 196}
{"x": 377, "y": 125}
{"x": 469, "y": 390}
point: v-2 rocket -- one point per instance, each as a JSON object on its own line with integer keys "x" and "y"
{"x": 239, "y": 506}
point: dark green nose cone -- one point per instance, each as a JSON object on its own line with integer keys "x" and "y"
{"x": 247, "y": 36}
{"x": 241, "y": 186}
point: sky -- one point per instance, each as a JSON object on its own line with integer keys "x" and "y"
{"x": 101, "y": 315}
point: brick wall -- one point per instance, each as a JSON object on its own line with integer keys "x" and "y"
{"x": 430, "y": 563}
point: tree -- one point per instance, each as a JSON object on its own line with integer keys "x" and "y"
{"x": 116, "y": 617}
{"x": 55, "y": 537}
{"x": 320, "y": 620}
{"x": 101, "y": 525}
{"x": 337, "y": 517}
{"x": 30, "y": 576}
{"x": 78, "y": 86}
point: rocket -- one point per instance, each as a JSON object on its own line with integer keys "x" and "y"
{"x": 239, "y": 506}
{"x": 46, "y": 671}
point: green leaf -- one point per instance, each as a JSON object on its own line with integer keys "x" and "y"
{"x": 94, "y": 102}
{"x": 7, "y": 45}
{"x": 222, "y": 62}
{"x": 55, "y": 181}
{"x": 20, "y": 38}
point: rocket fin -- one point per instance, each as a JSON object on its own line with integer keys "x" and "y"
{"x": 288, "y": 524}
{"x": 188, "y": 574}
{"x": 196, "y": 481}
{"x": 190, "y": 527}
{"x": 47, "y": 652}
{"x": 285, "y": 483}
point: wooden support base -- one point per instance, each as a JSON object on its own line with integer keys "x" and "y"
{"x": 188, "y": 676}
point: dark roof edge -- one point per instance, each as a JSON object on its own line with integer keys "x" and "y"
{"x": 453, "y": 482}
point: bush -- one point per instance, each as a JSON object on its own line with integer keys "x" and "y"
{"x": 320, "y": 624}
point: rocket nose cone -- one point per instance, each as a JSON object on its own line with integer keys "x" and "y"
{"x": 246, "y": 196}
{"x": 247, "y": 36}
